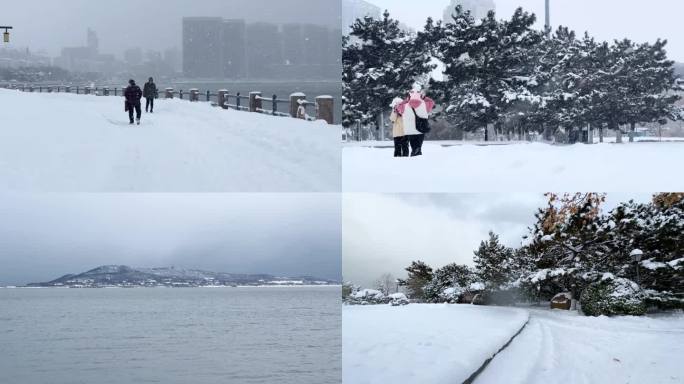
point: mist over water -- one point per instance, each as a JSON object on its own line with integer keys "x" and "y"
{"x": 240, "y": 335}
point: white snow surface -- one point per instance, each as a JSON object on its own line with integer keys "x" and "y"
{"x": 422, "y": 343}
{"x": 77, "y": 143}
{"x": 520, "y": 167}
{"x": 566, "y": 347}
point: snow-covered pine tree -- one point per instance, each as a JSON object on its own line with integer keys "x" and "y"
{"x": 493, "y": 263}
{"x": 419, "y": 275}
{"x": 487, "y": 65}
{"x": 651, "y": 81}
{"x": 456, "y": 276}
{"x": 380, "y": 62}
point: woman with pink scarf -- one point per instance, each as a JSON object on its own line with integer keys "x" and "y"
{"x": 415, "y": 111}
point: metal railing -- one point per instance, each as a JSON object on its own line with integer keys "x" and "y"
{"x": 322, "y": 108}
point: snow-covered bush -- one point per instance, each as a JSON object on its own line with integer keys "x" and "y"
{"x": 613, "y": 296}
{"x": 398, "y": 299}
{"x": 366, "y": 297}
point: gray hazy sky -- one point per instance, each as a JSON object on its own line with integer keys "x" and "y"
{"x": 43, "y": 237}
{"x": 605, "y": 19}
{"x": 385, "y": 233}
{"x": 154, "y": 24}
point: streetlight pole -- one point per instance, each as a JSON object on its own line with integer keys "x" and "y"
{"x": 636, "y": 257}
{"x": 547, "y": 25}
{"x": 5, "y": 35}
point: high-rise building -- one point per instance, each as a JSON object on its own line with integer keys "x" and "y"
{"x": 234, "y": 49}
{"x": 293, "y": 44}
{"x": 203, "y": 47}
{"x": 478, "y": 8}
{"x": 357, "y": 9}
{"x": 264, "y": 50}
{"x": 92, "y": 41}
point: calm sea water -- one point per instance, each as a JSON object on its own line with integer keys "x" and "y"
{"x": 165, "y": 335}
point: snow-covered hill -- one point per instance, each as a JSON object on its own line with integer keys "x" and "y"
{"x": 122, "y": 275}
{"x": 76, "y": 143}
{"x": 520, "y": 167}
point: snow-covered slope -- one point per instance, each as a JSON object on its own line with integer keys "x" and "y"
{"x": 564, "y": 347}
{"x": 77, "y": 143}
{"x": 422, "y": 343}
{"x": 634, "y": 167}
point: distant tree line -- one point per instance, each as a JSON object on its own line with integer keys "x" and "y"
{"x": 574, "y": 247}
{"x": 506, "y": 75}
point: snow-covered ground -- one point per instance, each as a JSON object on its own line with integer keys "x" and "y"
{"x": 520, "y": 167}
{"x": 76, "y": 143}
{"x": 565, "y": 347}
{"x": 422, "y": 343}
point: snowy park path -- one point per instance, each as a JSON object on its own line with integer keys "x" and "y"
{"x": 76, "y": 143}
{"x": 520, "y": 167}
{"x": 422, "y": 343}
{"x": 565, "y": 347}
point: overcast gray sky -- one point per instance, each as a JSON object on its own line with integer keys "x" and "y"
{"x": 155, "y": 24}
{"x": 605, "y": 19}
{"x": 43, "y": 237}
{"x": 385, "y": 233}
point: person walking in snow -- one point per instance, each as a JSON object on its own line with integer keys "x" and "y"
{"x": 401, "y": 144}
{"x": 133, "y": 94}
{"x": 150, "y": 93}
{"x": 415, "y": 111}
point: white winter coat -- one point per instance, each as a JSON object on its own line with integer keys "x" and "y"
{"x": 410, "y": 118}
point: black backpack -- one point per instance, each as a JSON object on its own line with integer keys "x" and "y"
{"x": 422, "y": 125}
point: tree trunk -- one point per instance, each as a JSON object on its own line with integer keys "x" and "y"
{"x": 601, "y": 133}
{"x": 632, "y": 131}
{"x": 618, "y": 133}
{"x": 486, "y": 128}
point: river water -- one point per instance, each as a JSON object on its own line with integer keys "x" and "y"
{"x": 167, "y": 335}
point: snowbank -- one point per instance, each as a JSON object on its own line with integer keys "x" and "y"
{"x": 422, "y": 343}
{"x": 564, "y": 347}
{"x": 635, "y": 167}
{"x": 76, "y": 143}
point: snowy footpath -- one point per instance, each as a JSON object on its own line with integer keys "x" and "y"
{"x": 520, "y": 167}
{"x": 435, "y": 344}
{"x": 422, "y": 343}
{"x": 565, "y": 347}
{"x": 76, "y": 143}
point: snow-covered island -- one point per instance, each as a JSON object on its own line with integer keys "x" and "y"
{"x": 127, "y": 277}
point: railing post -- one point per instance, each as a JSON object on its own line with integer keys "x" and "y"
{"x": 208, "y": 96}
{"x": 87, "y": 91}
{"x": 275, "y": 105}
{"x": 40, "y": 89}
{"x": 254, "y": 101}
{"x": 49, "y": 89}
{"x": 168, "y": 93}
{"x": 294, "y": 102}
{"x": 222, "y": 99}
{"x": 194, "y": 94}
{"x": 238, "y": 102}
{"x": 67, "y": 89}
{"x": 30, "y": 88}
{"x": 105, "y": 91}
{"x": 77, "y": 90}
{"x": 115, "y": 91}
{"x": 325, "y": 106}
{"x": 180, "y": 94}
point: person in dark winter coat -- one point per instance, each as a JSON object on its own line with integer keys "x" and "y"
{"x": 133, "y": 94}
{"x": 150, "y": 93}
